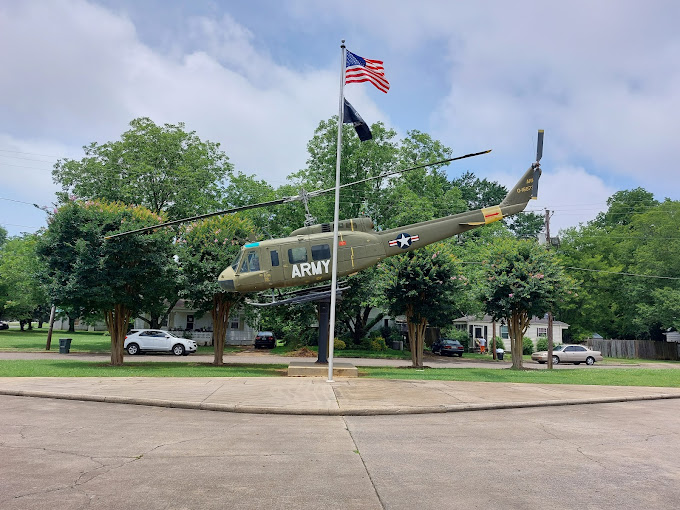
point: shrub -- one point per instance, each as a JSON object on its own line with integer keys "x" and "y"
{"x": 339, "y": 345}
{"x": 527, "y": 345}
{"x": 499, "y": 343}
{"x": 542, "y": 344}
{"x": 378, "y": 344}
{"x": 458, "y": 334}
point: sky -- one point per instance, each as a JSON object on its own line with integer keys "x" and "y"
{"x": 601, "y": 78}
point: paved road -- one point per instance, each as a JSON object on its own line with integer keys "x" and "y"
{"x": 60, "y": 454}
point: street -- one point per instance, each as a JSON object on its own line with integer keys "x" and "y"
{"x": 59, "y": 454}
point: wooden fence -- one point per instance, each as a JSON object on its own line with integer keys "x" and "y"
{"x": 642, "y": 349}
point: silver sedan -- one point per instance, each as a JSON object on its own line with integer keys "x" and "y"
{"x": 575, "y": 354}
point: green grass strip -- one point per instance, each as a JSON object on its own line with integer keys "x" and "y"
{"x": 68, "y": 368}
{"x": 583, "y": 375}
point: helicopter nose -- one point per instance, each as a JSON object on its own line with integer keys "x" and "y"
{"x": 226, "y": 280}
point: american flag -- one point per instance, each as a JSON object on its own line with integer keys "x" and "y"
{"x": 359, "y": 69}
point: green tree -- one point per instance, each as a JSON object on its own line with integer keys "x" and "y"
{"x": 3, "y": 236}
{"x": 163, "y": 168}
{"x": 426, "y": 286}
{"x": 357, "y": 303}
{"x": 206, "y": 248}
{"x": 20, "y": 291}
{"x": 623, "y": 205}
{"x": 523, "y": 280}
{"x": 114, "y": 278}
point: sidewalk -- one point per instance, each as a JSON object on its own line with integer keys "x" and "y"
{"x": 316, "y": 396}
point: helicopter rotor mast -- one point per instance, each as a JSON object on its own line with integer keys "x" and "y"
{"x": 302, "y": 196}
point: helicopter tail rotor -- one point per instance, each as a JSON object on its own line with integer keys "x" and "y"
{"x": 537, "y": 165}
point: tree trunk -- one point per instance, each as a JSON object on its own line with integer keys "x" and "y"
{"x": 416, "y": 334}
{"x": 220, "y": 318}
{"x": 517, "y": 325}
{"x": 117, "y": 323}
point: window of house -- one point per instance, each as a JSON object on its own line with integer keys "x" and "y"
{"x": 275, "y": 258}
{"x": 321, "y": 252}
{"x": 542, "y": 332}
{"x": 460, "y": 327}
{"x": 504, "y": 332}
{"x": 233, "y": 322}
{"x": 297, "y": 255}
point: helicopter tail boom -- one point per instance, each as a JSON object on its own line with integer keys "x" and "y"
{"x": 525, "y": 189}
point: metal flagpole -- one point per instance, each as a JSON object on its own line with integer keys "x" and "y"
{"x": 336, "y": 217}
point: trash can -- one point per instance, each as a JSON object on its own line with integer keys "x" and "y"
{"x": 398, "y": 345}
{"x": 499, "y": 354}
{"x": 64, "y": 345}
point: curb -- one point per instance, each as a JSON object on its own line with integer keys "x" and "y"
{"x": 365, "y": 411}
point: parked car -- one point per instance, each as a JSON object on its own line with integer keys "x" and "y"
{"x": 157, "y": 340}
{"x": 265, "y": 339}
{"x": 446, "y": 347}
{"x": 575, "y": 354}
{"x": 4, "y": 325}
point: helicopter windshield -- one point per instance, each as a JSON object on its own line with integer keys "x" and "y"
{"x": 234, "y": 266}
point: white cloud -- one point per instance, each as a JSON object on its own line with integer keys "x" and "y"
{"x": 88, "y": 75}
{"x": 571, "y": 194}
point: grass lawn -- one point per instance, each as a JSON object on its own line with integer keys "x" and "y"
{"x": 588, "y": 376}
{"x": 68, "y": 368}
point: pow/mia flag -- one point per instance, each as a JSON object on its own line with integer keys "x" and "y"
{"x": 350, "y": 116}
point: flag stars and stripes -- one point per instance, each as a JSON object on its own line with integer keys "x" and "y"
{"x": 359, "y": 69}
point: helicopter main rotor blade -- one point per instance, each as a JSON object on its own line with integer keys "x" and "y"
{"x": 394, "y": 172}
{"x": 202, "y": 216}
{"x": 288, "y": 199}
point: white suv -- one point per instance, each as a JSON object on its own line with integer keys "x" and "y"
{"x": 157, "y": 340}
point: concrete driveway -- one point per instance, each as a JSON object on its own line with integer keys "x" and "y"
{"x": 60, "y": 454}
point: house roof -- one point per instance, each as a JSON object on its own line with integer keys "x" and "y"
{"x": 488, "y": 319}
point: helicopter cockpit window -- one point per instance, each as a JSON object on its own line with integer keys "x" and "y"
{"x": 321, "y": 252}
{"x": 251, "y": 262}
{"x": 234, "y": 266}
{"x": 275, "y": 258}
{"x": 297, "y": 255}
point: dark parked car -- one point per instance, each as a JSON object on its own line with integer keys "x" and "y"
{"x": 4, "y": 325}
{"x": 265, "y": 339}
{"x": 447, "y": 347}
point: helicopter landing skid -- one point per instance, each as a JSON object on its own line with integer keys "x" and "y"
{"x": 297, "y": 297}
{"x": 321, "y": 295}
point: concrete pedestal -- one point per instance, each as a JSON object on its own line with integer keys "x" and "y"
{"x": 312, "y": 369}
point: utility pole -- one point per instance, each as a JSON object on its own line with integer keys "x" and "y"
{"x": 550, "y": 315}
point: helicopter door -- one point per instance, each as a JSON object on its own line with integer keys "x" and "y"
{"x": 274, "y": 276}
{"x": 250, "y": 276}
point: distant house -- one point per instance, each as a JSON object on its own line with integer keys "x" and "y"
{"x": 672, "y": 336}
{"x": 184, "y": 321}
{"x": 478, "y": 327}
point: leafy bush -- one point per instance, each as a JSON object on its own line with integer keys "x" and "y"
{"x": 542, "y": 344}
{"x": 527, "y": 345}
{"x": 339, "y": 345}
{"x": 499, "y": 343}
{"x": 458, "y": 334}
{"x": 378, "y": 344}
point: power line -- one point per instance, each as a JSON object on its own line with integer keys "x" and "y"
{"x": 623, "y": 273}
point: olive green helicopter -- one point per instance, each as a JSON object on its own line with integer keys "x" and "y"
{"x": 305, "y": 256}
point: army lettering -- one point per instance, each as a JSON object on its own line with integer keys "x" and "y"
{"x": 310, "y": 268}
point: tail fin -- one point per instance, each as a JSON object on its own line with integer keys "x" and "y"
{"x": 525, "y": 189}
